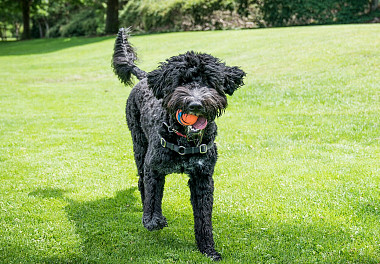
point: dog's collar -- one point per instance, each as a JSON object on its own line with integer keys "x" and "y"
{"x": 181, "y": 150}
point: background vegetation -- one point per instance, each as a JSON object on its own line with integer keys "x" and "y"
{"x": 66, "y": 18}
{"x": 297, "y": 180}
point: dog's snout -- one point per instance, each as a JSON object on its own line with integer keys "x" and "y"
{"x": 195, "y": 106}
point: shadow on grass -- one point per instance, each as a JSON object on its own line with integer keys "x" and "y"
{"x": 41, "y": 46}
{"x": 48, "y": 193}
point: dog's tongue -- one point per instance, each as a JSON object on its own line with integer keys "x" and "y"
{"x": 201, "y": 123}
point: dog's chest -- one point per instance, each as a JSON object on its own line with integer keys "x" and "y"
{"x": 185, "y": 164}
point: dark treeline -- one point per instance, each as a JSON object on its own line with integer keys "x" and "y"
{"x": 64, "y": 18}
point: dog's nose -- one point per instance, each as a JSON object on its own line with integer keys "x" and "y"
{"x": 195, "y": 106}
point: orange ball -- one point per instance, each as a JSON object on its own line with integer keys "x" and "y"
{"x": 186, "y": 119}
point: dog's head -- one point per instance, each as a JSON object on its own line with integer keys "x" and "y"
{"x": 195, "y": 83}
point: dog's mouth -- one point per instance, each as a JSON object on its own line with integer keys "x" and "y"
{"x": 200, "y": 124}
{"x": 195, "y": 131}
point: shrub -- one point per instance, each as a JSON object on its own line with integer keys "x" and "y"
{"x": 201, "y": 10}
{"x": 170, "y": 14}
{"x": 296, "y": 12}
{"x": 84, "y": 23}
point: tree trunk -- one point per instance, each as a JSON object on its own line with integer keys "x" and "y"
{"x": 40, "y": 29}
{"x": 3, "y": 32}
{"x": 112, "y": 19}
{"x": 46, "y": 27}
{"x": 25, "y": 5}
{"x": 17, "y": 33}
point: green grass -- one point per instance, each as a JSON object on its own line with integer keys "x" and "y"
{"x": 298, "y": 176}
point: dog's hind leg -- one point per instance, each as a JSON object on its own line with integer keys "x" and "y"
{"x": 154, "y": 191}
{"x": 140, "y": 146}
{"x": 140, "y": 143}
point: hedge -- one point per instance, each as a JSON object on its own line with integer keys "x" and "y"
{"x": 302, "y": 12}
{"x": 168, "y": 15}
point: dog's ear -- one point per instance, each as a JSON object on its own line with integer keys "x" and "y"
{"x": 233, "y": 79}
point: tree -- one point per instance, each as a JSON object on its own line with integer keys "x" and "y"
{"x": 44, "y": 13}
{"x": 112, "y": 16}
{"x": 25, "y": 7}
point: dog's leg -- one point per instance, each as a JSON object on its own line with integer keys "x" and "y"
{"x": 154, "y": 191}
{"x": 141, "y": 188}
{"x": 140, "y": 146}
{"x": 140, "y": 143}
{"x": 202, "y": 189}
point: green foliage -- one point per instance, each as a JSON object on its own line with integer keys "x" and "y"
{"x": 170, "y": 14}
{"x": 78, "y": 20}
{"x": 158, "y": 15}
{"x": 10, "y": 19}
{"x": 242, "y": 6}
{"x": 296, "y": 12}
{"x": 154, "y": 15}
{"x": 9, "y": 11}
{"x": 200, "y": 10}
{"x": 84, "y": 23}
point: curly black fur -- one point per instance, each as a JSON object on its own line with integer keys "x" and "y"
{"x": 124, "y": 57}
{"x": 194, "y": 67}
{"x": 196, "y": 83}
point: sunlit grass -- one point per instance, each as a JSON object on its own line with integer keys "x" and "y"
{"x": 297, "y": 180}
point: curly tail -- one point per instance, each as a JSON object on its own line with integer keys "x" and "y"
{"x": 124, "y": 57}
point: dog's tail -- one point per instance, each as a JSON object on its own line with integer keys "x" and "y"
{"x": 124, "y": 57}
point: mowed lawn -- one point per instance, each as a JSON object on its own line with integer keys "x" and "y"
{"x": 298, "y": 175}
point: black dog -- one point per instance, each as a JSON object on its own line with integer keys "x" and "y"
{"x": 196, "y": 84}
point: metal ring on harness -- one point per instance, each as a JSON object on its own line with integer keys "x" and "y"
{"x": 181, "y": 150}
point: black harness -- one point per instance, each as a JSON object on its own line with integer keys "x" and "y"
{"x": 196, "y": 137}
{"x": 181, "y": 150}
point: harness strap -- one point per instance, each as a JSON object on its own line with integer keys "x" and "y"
{"x": 170, "y": 129}
{"x": 202, "y": 149}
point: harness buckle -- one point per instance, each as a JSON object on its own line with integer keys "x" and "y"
{"x": 181, "y": 150}
{"x": 163, "y": 142}
{"x": 203, "y": 148}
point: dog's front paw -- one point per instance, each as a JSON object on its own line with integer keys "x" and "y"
{"x": 155, "y": 223}
{"x": 212, "y": 254}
